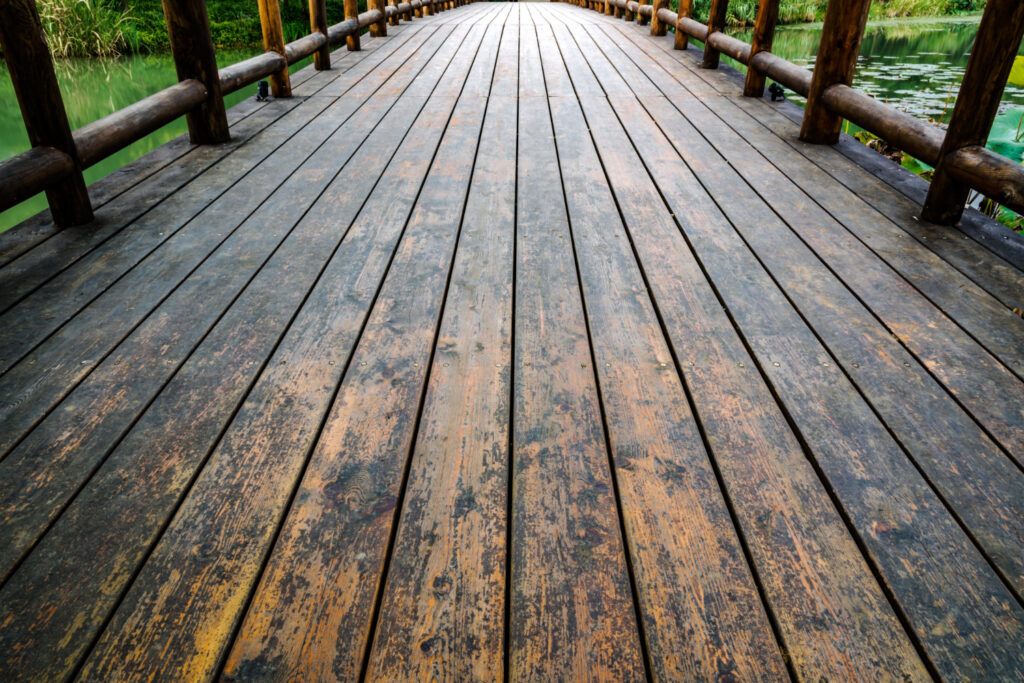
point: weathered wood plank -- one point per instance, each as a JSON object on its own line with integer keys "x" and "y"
{"x": 34, "y": 231}
{"x": 984, "y": 317}
{"x": 229, "y": 358}
{"x": 571, "y": 607}
{"x": 853, "y": 449}
{"x": 782, "y": 510}
{"x": 975, "y": 259}
{"x": 983, "y": 267}
{"x": 119, "y": 199}
{"x": 443, "y": 607}
{"x": 85, "y": 426}
{"x": 851, "y": 446}
{"x": 252, "y": 473}
{"x": 703, "y": 616}
{"x": 930, "y": 425}
{"x": 312, "y": 611}
{"x": 964, "y": 367}
{"x": 102, "y": 323}
{"x": 317, "y": 621}
{"x": 935, "y": 431}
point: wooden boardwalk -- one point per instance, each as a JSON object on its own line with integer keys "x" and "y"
{"x": 515, "y": 345}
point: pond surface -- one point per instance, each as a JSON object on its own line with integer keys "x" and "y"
{"x": 915, "y": 65}
{"x": 93, "y": 88}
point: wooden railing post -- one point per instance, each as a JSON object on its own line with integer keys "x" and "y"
{"x": 394, "y": 17}
{"x": 188, "y": 27}
{"x": 318, "y": 24}
{"x": 682, "y": 38}
{"x": 764, "y": 34}
{"x": 273, "y": 41}
{"x": 999, "y": 36}
{"x": 640, "y": 18}
{"x": 716, "y": 23}
{"x": 627, "y": 14}
{"x": 352, "y": 12}
{"x": 378, "y": 29}
{"x": 835, "y": 64}
{"x": 42, "y": 108}
{"x": 609, "y": 8}
{"x": 658, "y": 27}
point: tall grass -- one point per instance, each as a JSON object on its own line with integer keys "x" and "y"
{"x": 744, "y": 12}
{"x": 84, "y": 28}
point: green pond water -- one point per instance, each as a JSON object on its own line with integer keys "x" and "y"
{"x": 915, "y": 65}
{"x": 93, "y": 88}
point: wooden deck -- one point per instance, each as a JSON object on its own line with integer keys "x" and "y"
{"x": 513, "y": 345}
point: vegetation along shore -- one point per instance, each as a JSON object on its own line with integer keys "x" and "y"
{"x": 81, "y": 28}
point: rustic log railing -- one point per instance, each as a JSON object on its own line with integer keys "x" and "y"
{"x": 961, "y": 161}
{"x": 58, "y": 156}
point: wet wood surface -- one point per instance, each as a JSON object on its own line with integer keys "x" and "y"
{"x": 517, "y": 346}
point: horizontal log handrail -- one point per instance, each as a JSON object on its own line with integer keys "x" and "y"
{"x": 32, "y": 172}
{"x": 101, "y": 138}
{"x": 44, "y": 167}
{"x": 981, "y": 169}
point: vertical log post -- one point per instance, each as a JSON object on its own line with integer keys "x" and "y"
{"x": 836, "y": 62}
{"x": 716, "y": 24}
{"x": 394, "y": 17}
{"x": 273, "y": 41}
{"x": 764, "y": 34}
{"x": 999, "y": 36}
{"x": 658, "y": 27}
{"x": 378, "y": 29}
{"x": 42, "y": 108}
{"x": 318, "y": 24}
{"x": 682, "y": 38}
{"x": 352, "y": 12}
{"x": 641, "y": 19}
{"x": 627, "y": 14}
{"x": 188, "y": 27}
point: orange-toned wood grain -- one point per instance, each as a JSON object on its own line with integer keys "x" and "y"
{"x": 702, "y": 612}
{"x": 186, "y": 602}
{"x": 311, "y": 615}
{"x": 572, "y": 610}
{"x": 805, "y": 557}
{"x": 443, "y": 614}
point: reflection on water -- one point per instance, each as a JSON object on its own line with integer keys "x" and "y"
{"x": 915, "y": 66}
{"x": 93, "y": 88}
